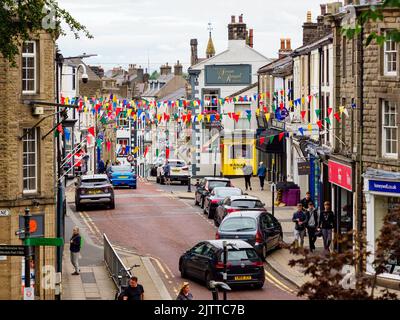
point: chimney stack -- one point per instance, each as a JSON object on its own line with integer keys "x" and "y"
{"x": 165, "y": 69}
{"x": 194, "y": 57}
{"x": 178, "y": 69}
{"x": 233, "y": 19}
{"x": 139, "y": 74}
{"x": 310, "y": 30}
{"x": 286, "y": 48}
{"x": 237, "y": 31}
{"x": 241, "y": 18}
{"x": 251, "y": 38}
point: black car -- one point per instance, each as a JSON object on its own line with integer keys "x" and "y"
{"x": 94, "y": 190}
{"x": 205, "y": 262}
{"x": 237, "y": 203}
{"x": 207, "y": 185}
{"x": 260, "y": 229}
{"x": 212, "y": 201}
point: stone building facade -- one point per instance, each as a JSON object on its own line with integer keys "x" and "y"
{"x": 27, "y": 174}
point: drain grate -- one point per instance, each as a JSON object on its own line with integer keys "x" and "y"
{"x": 88, "y": 277}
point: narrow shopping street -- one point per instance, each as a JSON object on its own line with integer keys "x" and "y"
{"x": 151, "y": 221}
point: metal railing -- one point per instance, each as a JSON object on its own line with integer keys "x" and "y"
{"x": 115, "y": 265}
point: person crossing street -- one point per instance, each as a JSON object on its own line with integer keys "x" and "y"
{"x": 247, "y": 172}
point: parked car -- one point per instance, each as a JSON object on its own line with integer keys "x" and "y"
{"x": 237, "y": 203}
{"x": 179, "y": 171}
{"x": 212, "y": 201}
{"x": 159, "y": 162}
{"x": 207, "y": 185}
{"x": 258, "y": 228}
{"x": 121, "y": 176}
{"x": 205, "y": 262}
{"x": 94, "y": 190}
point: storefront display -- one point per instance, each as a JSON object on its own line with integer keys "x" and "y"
{"x": 382, "y": 194}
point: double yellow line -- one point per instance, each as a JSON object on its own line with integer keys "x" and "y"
{"x": 270, "y": 278}
{"x": 90, "y": 224}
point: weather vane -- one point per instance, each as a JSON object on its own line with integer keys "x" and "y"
{"x": 210, "y": 27}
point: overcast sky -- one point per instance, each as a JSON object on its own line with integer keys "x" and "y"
{"x": 159, "y": 31}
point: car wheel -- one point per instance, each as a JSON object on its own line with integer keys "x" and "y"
{"x": 112, "y": 205}
{"x": 208, "y": 278}
{"x": 78, "y": 207}
{"x": 259, "y": 285}
{"x": 210, "y": 215}
{"x": 202, "y": 204}
{"x": 157, "y": 180}
{"x": 162, "y": 180}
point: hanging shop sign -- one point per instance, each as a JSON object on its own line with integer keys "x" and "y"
{"x": 226, "y": 75}
{"x": 341, "y": 175}
{"x": 303, "y": 168}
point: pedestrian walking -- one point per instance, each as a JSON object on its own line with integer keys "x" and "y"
{"x": 75, "y": 248}
{"x": 247, "y": 172}
{"x": 167, "y": 173}
{"x": 300, "y": 219}
{"x": 306, "y": 201}
{"x": 326, "y": 224}
{"x": 261, "y": 173}
{"x": 184, "y": 292}
{"x": 102, "y": 167}
{"x": 134, "y": 291}
{"x": 312, "y": 225}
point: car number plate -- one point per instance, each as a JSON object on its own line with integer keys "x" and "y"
{"x": 175, "y": 170}
{"x": 94, "y": 191}
{"x": 123, "y": 177}
{"x": 242, "y": 278}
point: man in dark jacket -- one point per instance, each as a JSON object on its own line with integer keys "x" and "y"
{"x": 306, "y": 201}
{"x": 75, "y": 248}
{"x": 261, "y": 173}
{"x": 312, "y": 225}
{"x": 134, "y": 291}
{"x": 326, "y": 224}
{"x": 300, "y": 218}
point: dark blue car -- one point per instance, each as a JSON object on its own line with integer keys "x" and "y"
{"x": 122, "y": 176}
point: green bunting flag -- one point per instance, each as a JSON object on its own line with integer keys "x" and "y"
{"x": 328, "y": 121}
{"x": 271, "y": 139}
{"x": 318, "y": 112}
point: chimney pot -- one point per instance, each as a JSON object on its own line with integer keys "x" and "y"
{"x": 282, "y": 44}
{"x": 241, "y": 18}
{"x": 233, "y": 19}
{"x": 288, "y": 44}
{"x": 309, "y": 17}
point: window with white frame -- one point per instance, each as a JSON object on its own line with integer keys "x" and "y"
{"x": 29, "y": 72}
{"x": 390, "y": 58}
{"x": 122, "y": 120}
{"x": 390, "y": 136}
{"x": 29, "y": 162}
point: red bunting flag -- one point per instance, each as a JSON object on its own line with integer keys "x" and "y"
{"x": 117, "y": 111}
{"x": 236, "y": 117}
{"x": 60, "y": 128}
{"x": 329, "y": 111}
{"x": 217, "y": 117}
{"x": 108, "y": 144}
{"x": 230, "y": 115}
{"x": 281, "y": 105}
{"x": 309, "y": 99}
{"x": 282, "y": 92}
{"x": 319, "y": 123}
{"x": 167, "y": 153}
{"x": 303, "y": 114}
{"x": 146, "y": 151}
{"x": 281, "y": 135}
{"x": 268, "y": 95}
{"x": 337, "y": 116}
{"x": 265, "y": 110}
{"x": 62, "y": 100}
{"x": 91, "y": 131}
{"x": 262, "y": 140}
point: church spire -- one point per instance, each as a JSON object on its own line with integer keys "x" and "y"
{"x": 210, "y": 46}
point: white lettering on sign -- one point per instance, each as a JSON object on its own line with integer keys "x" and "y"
{"x": 387, "y": 186}
{"x": 4, "y": 213}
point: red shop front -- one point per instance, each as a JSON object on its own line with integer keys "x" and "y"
{"x": 341, "y": 176}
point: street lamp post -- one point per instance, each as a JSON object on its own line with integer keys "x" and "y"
{"x": 27, "y": 234}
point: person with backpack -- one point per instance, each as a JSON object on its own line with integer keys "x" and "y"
{"x": 300, "y": 219}
{"x": 75, "y": 248}
{"x": 312, "y": 225}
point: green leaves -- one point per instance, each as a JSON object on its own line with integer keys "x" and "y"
{"x": 21, "y": 20}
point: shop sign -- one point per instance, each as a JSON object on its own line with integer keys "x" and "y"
{"x": 278, "y": 125}
{"x": 341, "y": 175}
{"x": 303, "y": 168}
{"x": 225, "y": 75}
{"x": 384, "y": 186}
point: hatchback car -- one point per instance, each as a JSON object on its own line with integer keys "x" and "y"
{"x": 94, "y": 190}
{"x": 122, "y": 176}
{"x": 205, "y": 261}
{"x": 212, "y": 201}
{"x": 237, "y": 203}
{"x": 260, "y": 229}
{"x": 180, "y": 171}
{"x": 206, "y": 185}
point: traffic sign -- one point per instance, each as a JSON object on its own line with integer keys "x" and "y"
{"x": 12, "y": 250}
{"x": 29, "y": 294}
{"x": 50, "y": 242}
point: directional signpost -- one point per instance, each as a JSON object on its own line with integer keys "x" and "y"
{"x": 6, "y": 250}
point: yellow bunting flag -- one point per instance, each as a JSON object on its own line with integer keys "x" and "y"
{"x": 128, "y": 113}
{"x": 208, "y": 118}
{"x": 200, "y": 117}
{"x": 309, "y": 127}
{"x": 135, "y": 150}
{"x": 66, "y": 100}
{"x": 291, "y": 103}
{"x": 258, "y": 112}
{"x": 134, "y": 117}
{"x": 267, "y": 116}
{"x": 341, "y": 109}
{"x": 303, "y": 101}
{"x": 159, "y": 117}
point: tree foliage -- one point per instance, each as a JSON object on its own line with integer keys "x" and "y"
{"x": 330, "y": 281}
{"x": 374, "y": 13}
{"x": 20, "y": 19}
{"x": 154, "y": 75}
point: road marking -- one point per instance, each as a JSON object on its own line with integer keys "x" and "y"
{"x": 278, "y": 283}
{"x": 160, "y": 266}
{"x": 92, "y": 222}
{"x": 87, "y": 223}
{"x": 156, "y": 279}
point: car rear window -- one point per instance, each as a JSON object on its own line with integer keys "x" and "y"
{"x": 177, "y": 164}
{"x": 228, "y": 192}
{"x": 250, "y": 204}
{"x": 122, "y": 169}
{"x": 241, "y": 255}
{"x": 217, "y": 184}
{"x": 94, "y": 181}
{"x": 239, "y": 224}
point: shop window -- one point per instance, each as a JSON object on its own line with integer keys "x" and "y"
{"x": 237, "y": 152}
{"x": 389, "y": 130}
